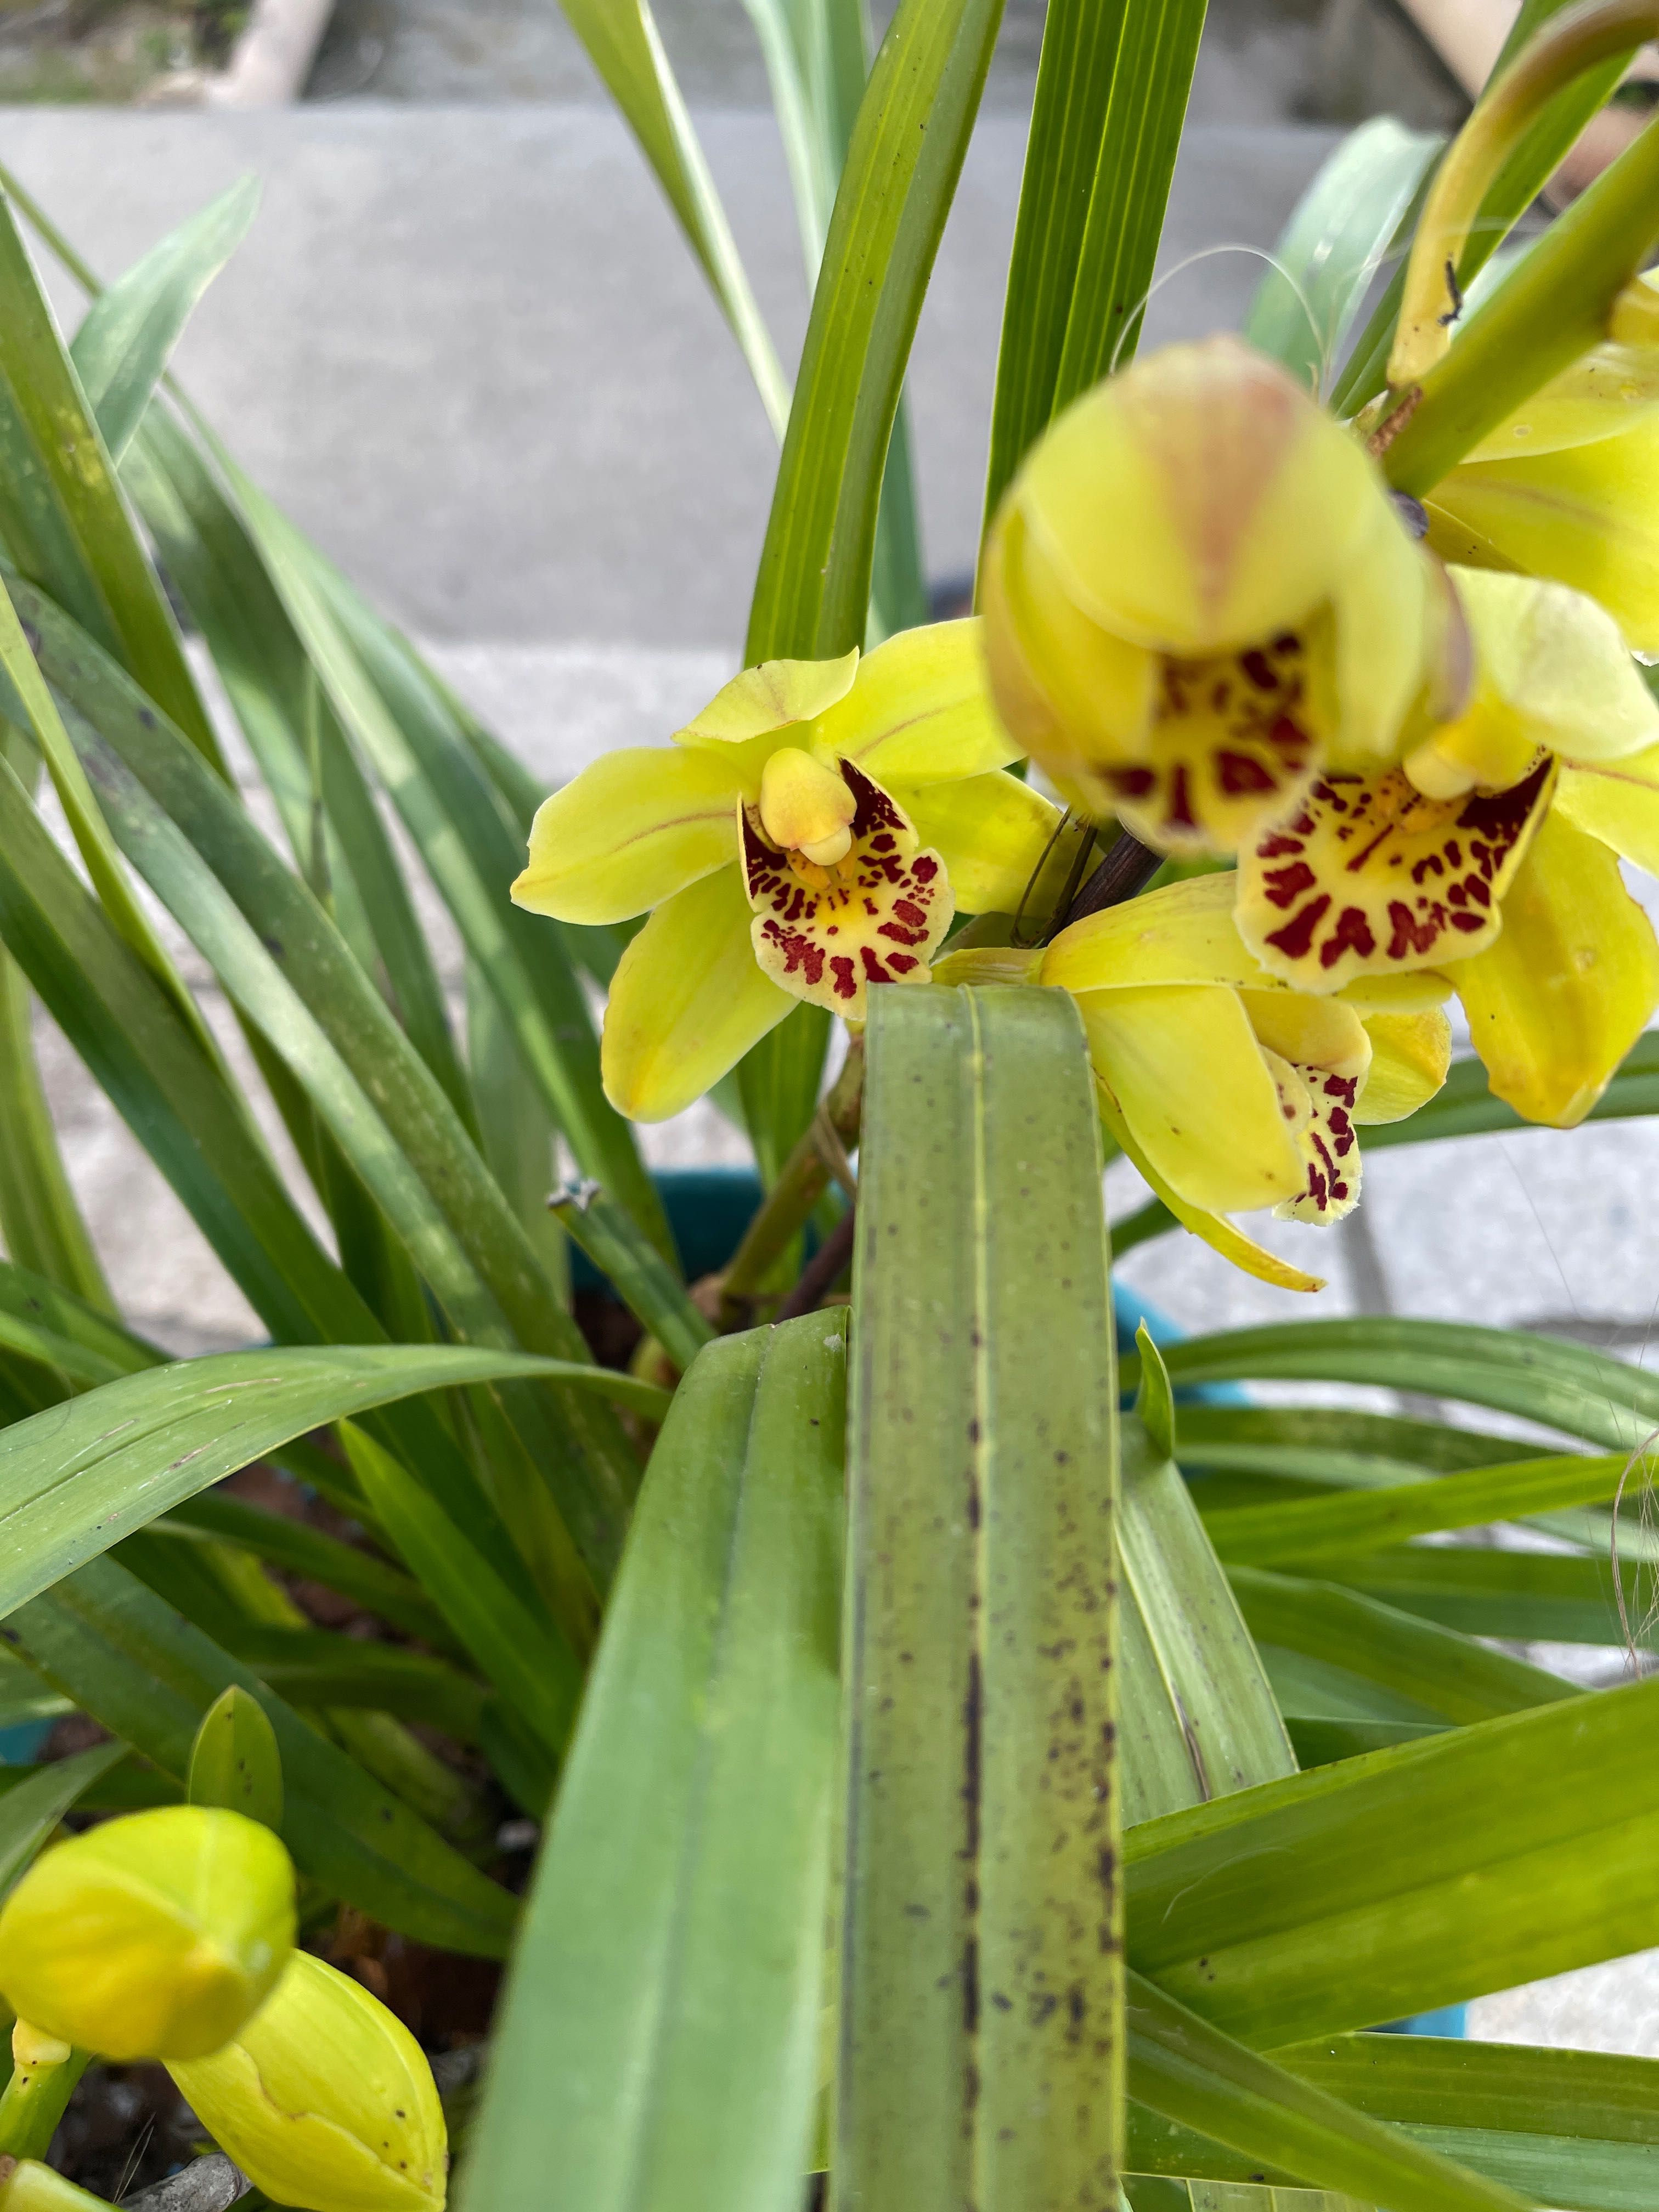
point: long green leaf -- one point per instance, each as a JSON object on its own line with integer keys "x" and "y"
{"x": 132, "y": 1662}
{"x": 1255, "y": 1534}
{"x": 1412, "y": 1879}
{"x": 231, "y": 892}
{"x": 980, "y": 2041}
{"x": 1197, "y": 1720}
{"x": 40, "y": 1222}
{"x": 77, "y": 1479}
{"x": 1338, "y": 235}
{"x": 300, "y": 1549}
{"x": 62, "y": 514}
{"x": 1183, "y": 2067}
{"x": 1425, "y": 1671}
{"x": 128, "y": 333}
{"x": 622, "y": 44}
{"x": 812, "y": 591}
{"x": 1577, "y": 2128}
{"x": 529, "y": 1662}
{"x": 659, "y": 2043}
{"x": 1560, "y": 1386}
{"x": 1111, "y": 96}
{"x": 32, "y": 1810}
{"x": 178, "y": 1103}
{"x": 1527, "y": 1596}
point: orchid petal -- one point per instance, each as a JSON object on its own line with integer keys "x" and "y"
{"x": 1410, "y": 1054}
{"x": 1080, "y": 698}
{"x": 1587, "y": 514}
{"x": 1318, "y": 1105}
{"x": 1183, "y": 932}
{"x": 1556, "y": 1003}
{"x": 629, "y": 831}
{"x": 687, "y": 1001}
{"x": 1308, "y": 1032}
{"x": 1603, "y": 394}
{"x": 920, "y": 712}
{"x": 1551, "y": 669}
{"x": 1417, "y": 992}
{"x": 1617, "y": 801}
{"x": 1190, "y": 1081}
{"x": 877, "y": 917}
{"x": 993, "y": 833}
{"x": 1222, "y": 1237}
{"x": 772, "y": 697}
{"x": 1371, "y": 875}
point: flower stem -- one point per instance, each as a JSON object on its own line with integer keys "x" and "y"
{"x": 33, "y": 2100}
{"x": 1565, "y": 49}
{"x": 1555, "y": 307}
{"x": 805, "y": 1177}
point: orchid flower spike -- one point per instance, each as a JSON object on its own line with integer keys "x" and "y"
{"x": 1490, "y": 854}
{"x": 1227, "y": 1091}
{"x": 812, "y": 833}
{"x": 1198, "y": 593}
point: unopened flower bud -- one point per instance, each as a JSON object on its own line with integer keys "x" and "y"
{"x": 1198, "y": 594}
{"x": 26, "y": 2185}
{"x": 154, "y": 1936}
{"x": 325, "y": 2101}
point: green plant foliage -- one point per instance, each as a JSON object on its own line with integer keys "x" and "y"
{"x": 235, "y": 1761}
{"x": 979, "y": 2056}
{"x": 674, "y": 1939}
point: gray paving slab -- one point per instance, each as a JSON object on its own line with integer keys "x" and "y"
{"x": 469, "y": 350}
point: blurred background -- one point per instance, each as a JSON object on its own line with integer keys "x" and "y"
{"x": 466, "y": 347}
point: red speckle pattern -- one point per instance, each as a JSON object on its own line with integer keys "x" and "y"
{"x": 1330, "y": 1148}
{"x": 1231, "y": 747}
{"x": 1368, "y": 876}
{"x": 828, "y": 933}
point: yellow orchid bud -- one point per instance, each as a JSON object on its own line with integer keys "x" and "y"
{"x": 1198, "y": 592}
{"x": 26, "y": 2185}
{"x": 154, "y": 1936}
{"x": 325, "y": 2101}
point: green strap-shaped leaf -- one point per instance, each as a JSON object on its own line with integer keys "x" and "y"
{"x": 622, "y": 44}
{"x": 1198, "y": 1716}
{"x": 1183, "y": 2067}
{"x": 1337, "y": 237}
{"x": 658, "y": 2043}
{"x": 76, "y": 1480}
{"x": 140, "y": 1669}
{"x": 300, "y": 1549}
{"x": 644, "y": 1282}
{"x": 199, "y": 1133}
{"x": 813, "y": 593}
{"x": 61, "y": 511}
{"x": 40, "y": 1221}
{"x": 1561, "y": 1386}
{"x": 1112, "y": 87}
{"x": 130, "y": 330}
{"x": 980, "y": 2029}
{"x": 1542, "y": 1596}
{"x": 1412, "y": 1879}
{"x": 1577, "y": 2128}
{"x": 1256, "y": 1533}
{"x": 1424, "y": 1670}
{"x": 32, "y": 1809}
{"x": 524, "y": 1654}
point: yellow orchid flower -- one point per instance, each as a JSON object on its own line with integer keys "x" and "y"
{"x": 1490, "y": 854}
{"x": 1227, "y": 1091}
{"x": 1568, "y": 488}
{"x": 809, "y": 834}
{"x": 1198, "y": 592}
